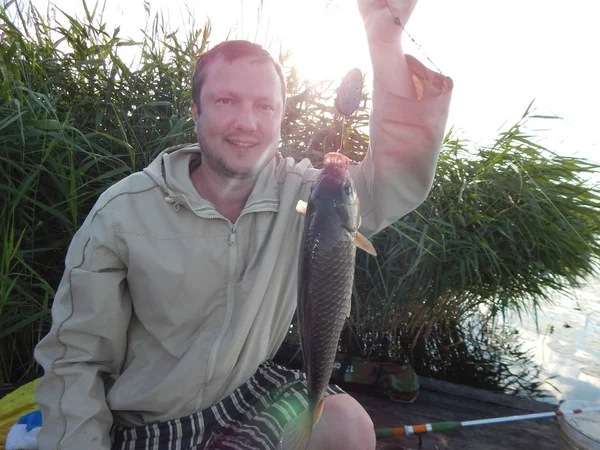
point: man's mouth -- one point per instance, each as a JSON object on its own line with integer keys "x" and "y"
{"x": 241, "y": 144}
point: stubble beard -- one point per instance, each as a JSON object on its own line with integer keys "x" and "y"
{"x": 217, "y": 164}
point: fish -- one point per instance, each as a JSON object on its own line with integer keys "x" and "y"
{"x": 326, "y": 268}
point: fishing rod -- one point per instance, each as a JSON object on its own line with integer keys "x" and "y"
{"x": 408, "y": 430}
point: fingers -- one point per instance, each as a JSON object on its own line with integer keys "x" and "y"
{"x": 398, "y": 7}
{"x": 372, "y": 4}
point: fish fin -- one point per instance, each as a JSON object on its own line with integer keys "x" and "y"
{"x": 301, "y": 207}
{"x": 363, "y": 243}
{"x": 297, "y": 432}
{"x": 318, "y": 412}
{"x": 360, "y": 241}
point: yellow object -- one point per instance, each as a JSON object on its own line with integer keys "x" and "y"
{"x": 19, "y": 402}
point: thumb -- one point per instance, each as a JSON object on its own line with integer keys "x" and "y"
{"x": 365, "y": 5}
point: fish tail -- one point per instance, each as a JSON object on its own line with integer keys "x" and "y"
{"x": 297, "y": 432}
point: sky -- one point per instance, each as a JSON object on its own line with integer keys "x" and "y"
{"x": 500, "y": 55}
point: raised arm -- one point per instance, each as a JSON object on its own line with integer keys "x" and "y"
{"x": 407, "y": 124}
{"x": 87, "y": 341}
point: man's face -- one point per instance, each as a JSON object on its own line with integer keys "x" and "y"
{"x": 241, "y": 108}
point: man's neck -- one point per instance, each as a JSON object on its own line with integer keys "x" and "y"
{"x": 229, "y": 196}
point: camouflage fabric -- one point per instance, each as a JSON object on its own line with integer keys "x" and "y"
{"x": 399, "y": 382}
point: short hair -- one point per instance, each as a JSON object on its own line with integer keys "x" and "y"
{"x": 231, "y": 51}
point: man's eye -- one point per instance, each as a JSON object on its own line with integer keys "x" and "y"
{"x": 266, "y": 107}
{"x": 224, "y": 101}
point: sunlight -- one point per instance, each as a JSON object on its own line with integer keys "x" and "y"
{"x": 326, "y": 41}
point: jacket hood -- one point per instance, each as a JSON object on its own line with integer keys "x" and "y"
{"x": 171, "y": 171}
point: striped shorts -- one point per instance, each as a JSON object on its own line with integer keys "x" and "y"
{"x": 252, "y": 417}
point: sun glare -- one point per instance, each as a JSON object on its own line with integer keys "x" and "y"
{"x": 325, "y": 41}
{"x": 325, "y": 38}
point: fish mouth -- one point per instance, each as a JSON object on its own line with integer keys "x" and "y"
{"x": 337, "y": 159}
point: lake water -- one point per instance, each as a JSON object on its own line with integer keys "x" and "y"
{"x": 567, "y": 344}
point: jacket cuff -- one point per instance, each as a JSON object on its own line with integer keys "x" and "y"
{"x": 428, "y": 84}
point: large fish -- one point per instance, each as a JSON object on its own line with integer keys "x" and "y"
{"x": 325, "y": 281}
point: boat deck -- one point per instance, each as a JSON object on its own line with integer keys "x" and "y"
{"x": 442, "y": 401}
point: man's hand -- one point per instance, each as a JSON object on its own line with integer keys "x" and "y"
{"x": 384, "y": 36}
{"x": 378, "y": 18}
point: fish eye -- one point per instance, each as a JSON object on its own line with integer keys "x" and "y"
{"x": 347, "y": 189}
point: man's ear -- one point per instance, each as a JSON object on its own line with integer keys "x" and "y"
{"x": 195, "y": 117}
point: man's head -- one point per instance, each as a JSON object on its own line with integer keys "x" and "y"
{"x": 238, "y": 101}
{"x": 231, "y": 51}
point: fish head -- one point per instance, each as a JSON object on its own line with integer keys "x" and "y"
{"x": 335, "y": 190}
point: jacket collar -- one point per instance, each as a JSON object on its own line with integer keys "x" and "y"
{"x": 171, "y": 171}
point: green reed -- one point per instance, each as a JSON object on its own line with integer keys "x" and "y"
{"x": 503, "y": 225}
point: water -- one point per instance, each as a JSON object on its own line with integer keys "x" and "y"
{"x": 567, "y": 344}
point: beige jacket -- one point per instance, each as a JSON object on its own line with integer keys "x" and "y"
{"x": 165, "y": 307}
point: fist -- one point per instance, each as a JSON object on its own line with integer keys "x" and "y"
{"x": 378, "y": 18}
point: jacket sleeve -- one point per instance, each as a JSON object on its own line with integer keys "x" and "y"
{"x": 87, "y": 340}
{"x": 405, "y": 138}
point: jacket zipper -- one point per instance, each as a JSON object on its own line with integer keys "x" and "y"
{"x": 230, "y": 300}
{"x": 265, "y": 207}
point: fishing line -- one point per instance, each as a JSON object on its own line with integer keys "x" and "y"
{"x": 398, "y": 22}
{"x": 342, "y": 135}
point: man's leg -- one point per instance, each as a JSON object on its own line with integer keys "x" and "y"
{"x": 344, "y": 425}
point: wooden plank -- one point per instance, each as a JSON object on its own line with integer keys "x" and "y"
{"x": 443, "y": 401}
{"x": 541, "y": 434}
{"x": 494, "y": 398}
{"x": 463, "y": 408}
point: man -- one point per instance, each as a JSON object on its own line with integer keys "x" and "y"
{"x": 181, "y": 284}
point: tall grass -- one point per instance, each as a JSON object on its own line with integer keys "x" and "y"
{"x": 505, "y": 226}
{"x": 76, "y": 115}
{"x": 74, "y": 118}
{"x": 502, "y": 225}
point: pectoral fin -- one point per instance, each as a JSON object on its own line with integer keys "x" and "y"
{"x": 301, "y": 207}
{"x": 297, "y": 433}
{"x": 363, "y": 243}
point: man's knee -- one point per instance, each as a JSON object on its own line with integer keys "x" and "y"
{"x": 344, "y": 425}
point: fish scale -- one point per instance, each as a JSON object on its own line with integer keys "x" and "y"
{"x": 329, "y": 288}
{"x": 326, "y": 276}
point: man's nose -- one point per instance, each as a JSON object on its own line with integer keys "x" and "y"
{"x": 245, "y": 119}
